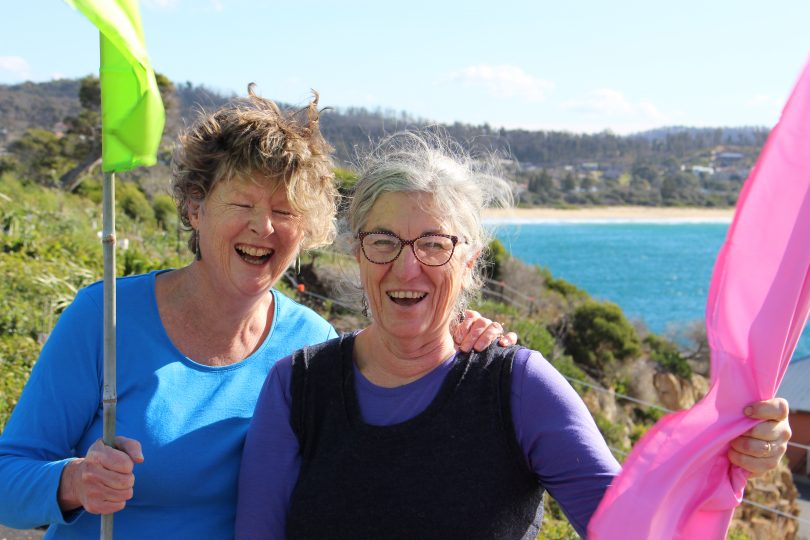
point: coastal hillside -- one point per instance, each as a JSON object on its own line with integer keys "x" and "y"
{"x": 50, "y": 220}
{"x": 628, "y": 376}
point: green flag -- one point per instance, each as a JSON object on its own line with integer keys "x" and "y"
{"x": 132, "y": 114}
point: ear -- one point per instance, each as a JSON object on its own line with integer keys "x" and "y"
{"x": 468, "y": 269}
{"x": 471, "y": 261}
{"x": 194, "y": 210}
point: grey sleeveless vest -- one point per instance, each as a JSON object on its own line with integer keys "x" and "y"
{"x": 453, "y": 471}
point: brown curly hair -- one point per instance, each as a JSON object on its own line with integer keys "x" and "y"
{"x": 253, "y": 135}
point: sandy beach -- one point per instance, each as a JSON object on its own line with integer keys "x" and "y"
{"x": 611, "y": 213}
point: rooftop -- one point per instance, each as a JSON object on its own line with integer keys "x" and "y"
{"x": 796, "y": 385}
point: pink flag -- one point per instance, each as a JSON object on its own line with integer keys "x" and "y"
{"x": 677, "y": 483}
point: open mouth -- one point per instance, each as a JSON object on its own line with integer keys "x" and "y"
{"x": 254, "y": 255}
{"x": 406, "y": 298}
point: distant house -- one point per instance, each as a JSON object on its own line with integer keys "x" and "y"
{"x": 796, "y": 389}
{"x": 697, "y": 170}
{"x": 612, "y": 173}
{"x": 727, "y": 159}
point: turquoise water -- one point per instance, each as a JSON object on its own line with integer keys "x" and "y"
{"x": 658, "y": 273}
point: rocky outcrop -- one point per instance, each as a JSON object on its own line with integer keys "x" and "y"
{"x": 676, "y": 393}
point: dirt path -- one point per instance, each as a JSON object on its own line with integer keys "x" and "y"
{"x": 17, "y": 534}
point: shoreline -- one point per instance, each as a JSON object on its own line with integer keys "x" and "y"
{"x": 607, "y": 214}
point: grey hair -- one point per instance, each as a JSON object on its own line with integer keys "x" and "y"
{"x": 459, "y": 184}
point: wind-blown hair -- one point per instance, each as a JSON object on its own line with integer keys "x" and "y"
{"x": 253, "y": 135}
{"x": 460, "y": 187}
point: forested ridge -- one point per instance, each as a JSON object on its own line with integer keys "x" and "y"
{"x": 44, "y": 129}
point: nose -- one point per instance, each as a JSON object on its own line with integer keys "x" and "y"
{"x": 407, "y": 266}
{"x": 261, "y": 223}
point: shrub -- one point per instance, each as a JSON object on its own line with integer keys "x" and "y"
{"x": 533, "y": 334}
{"x": 346, "y": 179}
{"x": 133, "y": 202}
{"x": 91, "y": 189}
{"x": 601, "y": 336}
{"x": 17, "y": 357}
{"x": 566, "y": 289}
{"x": 494, "y": 257}
{"x": 613, "y": 433}
{"x": 165, "y": 211}
{"x": 666, "y": 354}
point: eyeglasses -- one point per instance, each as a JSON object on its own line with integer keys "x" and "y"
{"x": 431, "y": 249}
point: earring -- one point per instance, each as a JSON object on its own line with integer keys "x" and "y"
{"x": 197, "y": 254}
{"x": 364, "y": 302}
{"x": 298, "y": 265}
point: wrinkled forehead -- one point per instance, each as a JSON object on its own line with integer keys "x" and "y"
{"x": 415, "y": 207}
{"x": 255, "y": 184}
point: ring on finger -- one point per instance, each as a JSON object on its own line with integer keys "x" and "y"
{"x": 768, "y": 448}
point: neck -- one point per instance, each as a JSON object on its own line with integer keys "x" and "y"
{"x": 232, "y": 312}
{"x": 207, "y": 325}
{"x": 388, "y": 361}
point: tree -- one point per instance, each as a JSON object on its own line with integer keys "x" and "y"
{"x": 39, "y": 156}
{"x": 83, "y": 137}
{"x": 569, "y": 182}
{"x": 600, "y": 337}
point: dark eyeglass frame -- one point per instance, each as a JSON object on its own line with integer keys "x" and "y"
{"x": 402, "y": 243}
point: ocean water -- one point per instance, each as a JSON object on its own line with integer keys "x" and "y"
{"x": 658, "y": 273}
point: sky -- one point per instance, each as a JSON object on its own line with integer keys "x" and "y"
{"x": 573, "y": 65}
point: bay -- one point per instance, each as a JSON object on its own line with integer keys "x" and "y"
{"x": 657, "y": 272}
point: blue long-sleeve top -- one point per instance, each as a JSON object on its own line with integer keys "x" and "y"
{"x": 557, "y": 434}
{"x": 191, "y": 419}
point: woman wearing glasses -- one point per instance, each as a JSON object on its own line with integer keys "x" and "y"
{"x": 389, "y": 433}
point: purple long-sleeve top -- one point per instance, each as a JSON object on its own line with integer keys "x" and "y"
{"x": 557, "y": 434}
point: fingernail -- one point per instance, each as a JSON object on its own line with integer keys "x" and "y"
{"x": 749, "y": 411}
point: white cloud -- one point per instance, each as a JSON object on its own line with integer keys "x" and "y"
{"x": 616, "y": 109}
{"x": 503, "y": 82}
{"x": 601, "y": 101}
{"x": 56, "y": 75}
{"x": 15, "y": 66}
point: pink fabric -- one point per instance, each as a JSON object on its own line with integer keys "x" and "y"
{"x": 677, "y": 483}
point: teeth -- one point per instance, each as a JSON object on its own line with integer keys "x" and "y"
{"x": 254, "y": 251}
{"x": 406, "y": 294}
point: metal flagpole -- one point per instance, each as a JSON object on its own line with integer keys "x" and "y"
{"x": 109, "y": 396}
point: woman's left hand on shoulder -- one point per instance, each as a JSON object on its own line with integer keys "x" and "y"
{"x": 477, "y": 332}
{"x": 759, "y": 449}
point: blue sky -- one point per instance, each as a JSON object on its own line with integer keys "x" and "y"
{"x": 576, "y": 65}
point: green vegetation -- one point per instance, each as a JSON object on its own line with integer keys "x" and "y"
{"x": 494, "y": 257}
{"x": 668, "y": 356}
{"x": 601, "y": 337}
{"x": 49, "y": 248}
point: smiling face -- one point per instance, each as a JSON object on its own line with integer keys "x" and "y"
{"x": 408, "y": 299}
{"x": 248, "y": 234}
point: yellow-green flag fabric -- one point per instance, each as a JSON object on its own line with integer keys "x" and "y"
{"x": 132, "y": 115}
